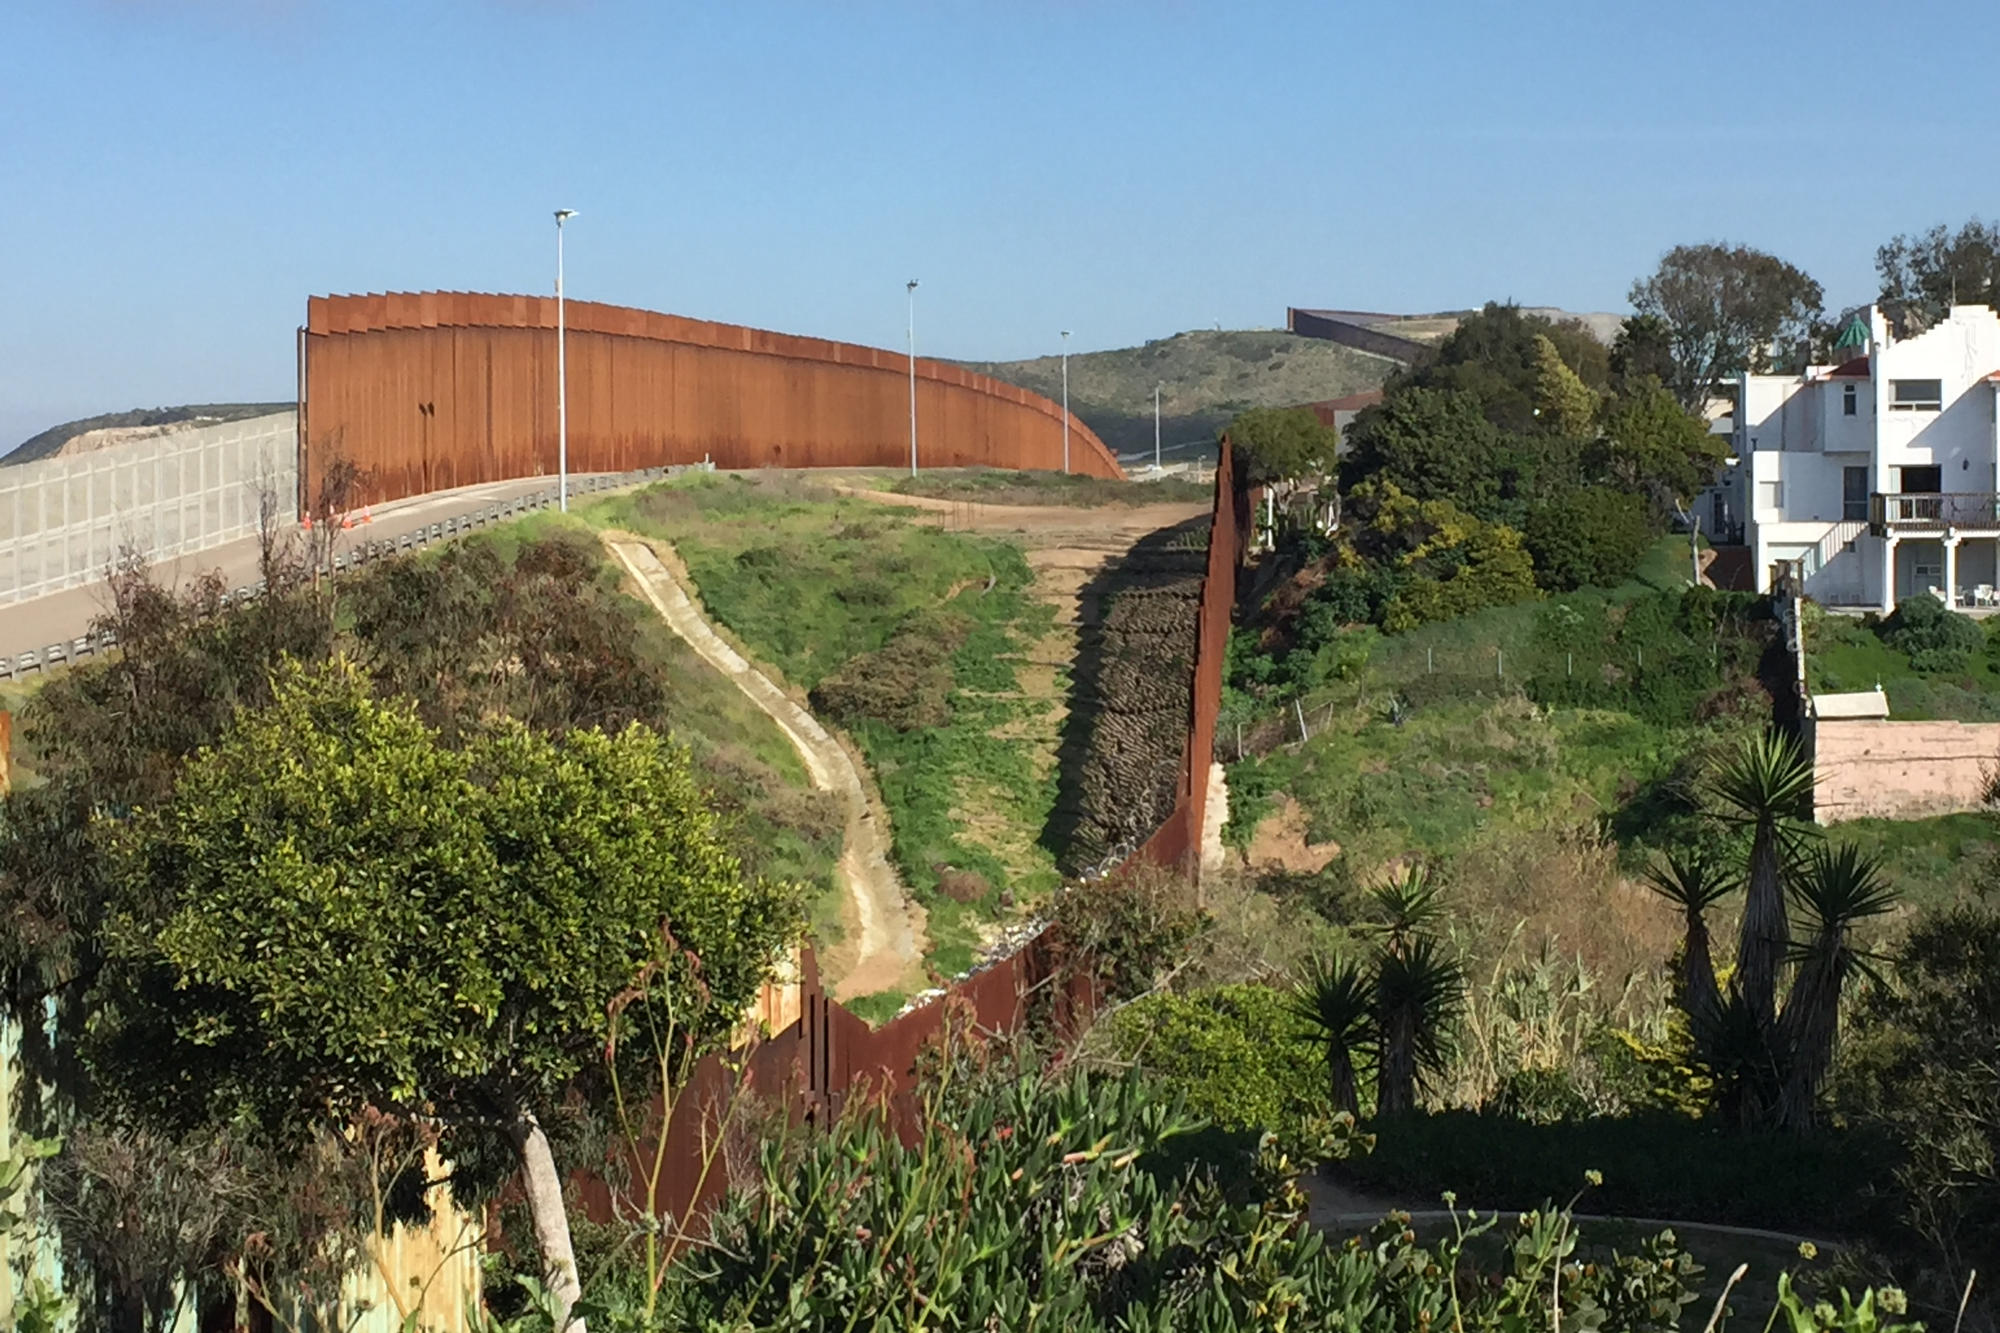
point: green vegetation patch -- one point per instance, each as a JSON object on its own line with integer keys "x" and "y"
{"x": 1944, "y": 667}
{"x": 1001, "y": 487}
{"x": 910, "y": 637}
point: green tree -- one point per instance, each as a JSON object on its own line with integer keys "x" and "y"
{"x": 1727, "y": 309}
{"x": 1446, "y": 562}
{"x": 1929, "y": 273}
{"x": 1431, "y": 444}
{"x": 1656, "y": 448}
{"x": 1643, "y": 350}
{"x": 1564, "y": 404}
{"x": 1594, "y": 536}
{"x": 333, "y": 915}
{"x": 1492, "y": 355}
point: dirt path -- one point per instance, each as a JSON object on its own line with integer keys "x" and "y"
{"x": 883, "y": 948}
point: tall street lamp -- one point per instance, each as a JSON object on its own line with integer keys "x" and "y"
{"x": 911, "y": 287}
{"x": 1065, "y": 337}
{"x": 562, "y": 372}
{"x": 1156, "y": 424}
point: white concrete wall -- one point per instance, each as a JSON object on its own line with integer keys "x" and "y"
{"x": 64, "y": 521}
{"x": 1900, "y": 770}
{"x": 1959, "y": 440}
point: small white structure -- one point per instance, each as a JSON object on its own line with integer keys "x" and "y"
{"x": 1860, "y": 705}
{"x": 1877, "y": 478}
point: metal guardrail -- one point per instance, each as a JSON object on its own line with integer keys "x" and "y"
{"x": 14, "y": 666}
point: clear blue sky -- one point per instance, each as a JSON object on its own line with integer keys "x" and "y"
{"x": 176, "y": 176}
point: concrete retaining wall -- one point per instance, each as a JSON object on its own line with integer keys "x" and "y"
{"x": 1900, "y": 770}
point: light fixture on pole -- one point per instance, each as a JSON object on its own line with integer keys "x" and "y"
{"x": 562, "y": 372}
{"x": 911, "y": 287}
{"x": 1065, "y": 338}
{"x": 1156, "y": 424}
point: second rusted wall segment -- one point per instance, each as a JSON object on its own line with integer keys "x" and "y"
{"x": 427, "y": 391}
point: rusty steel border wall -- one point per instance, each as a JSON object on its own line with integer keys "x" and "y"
{"x": 829, "y": 1056}
{"x": 427, "y": 391}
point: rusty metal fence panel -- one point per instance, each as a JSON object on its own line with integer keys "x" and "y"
{"x": 429, "y": 390}
{"x": 65, "y": 521}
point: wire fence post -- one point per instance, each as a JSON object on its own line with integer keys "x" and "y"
{"x": 1430, "y": 661}
{"x": 1572, "y": 663}
{"x": 1500, "y": 663}
{"x": 1300, "y": 709}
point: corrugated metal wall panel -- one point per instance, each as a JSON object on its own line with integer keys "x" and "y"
{"x": 430, "y": 390}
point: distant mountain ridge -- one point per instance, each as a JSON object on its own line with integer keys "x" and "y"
{"x": 140, "y": 421}
{"x": 1209, "y": 376}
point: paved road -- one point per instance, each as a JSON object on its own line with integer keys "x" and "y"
{"x": 62, "y": 617}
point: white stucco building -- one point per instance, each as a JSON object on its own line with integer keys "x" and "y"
{"x": 1877, "y": 475}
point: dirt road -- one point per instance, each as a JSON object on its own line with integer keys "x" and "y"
{"x": 884, "y": 931}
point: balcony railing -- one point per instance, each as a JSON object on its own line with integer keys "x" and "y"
{"x": 1952, "y": 509}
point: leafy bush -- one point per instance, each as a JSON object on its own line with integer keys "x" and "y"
{"x": 1933, "y": 638}
{"x": 1593, "y": 536}
{"x": 1074, "y": 1206}
{"x": 1784, "y": 1180}
{"x": 1235, "y": 1055}
{"x": 1926, "y": 1068}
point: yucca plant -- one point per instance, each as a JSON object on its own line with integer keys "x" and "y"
{"x": 1336, "y": 1000}
{"x": 1405, "y": 906}
{"x": 1766, "y": 786}
{"x": 1840, "y": 888}
{"x": 1419, "y": 992}
{"x": 1694, "y": 882}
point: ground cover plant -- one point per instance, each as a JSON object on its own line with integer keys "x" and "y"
{"x": 911, "y": 638}
{"x": 1003, "y": 487}
{"x": 1932, "y": 663}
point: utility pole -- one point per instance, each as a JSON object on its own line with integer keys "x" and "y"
{"x": 911, "y": 287}
{"x": 1065, "y": 359}
{"x": 562, "y": 372}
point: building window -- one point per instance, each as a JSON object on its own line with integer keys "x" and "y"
{"x": 1916, "y": 395}
{"x": 1771, "y": 495}
{"x": 1850, "y": 401}
{"x": 1854, "y": 493}
{"x": 1921, "y": 480}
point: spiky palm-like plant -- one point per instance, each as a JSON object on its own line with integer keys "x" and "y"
{"x": 1840, "y": 888}
{"x": 1405, "y": 906}
{"x": 1419, "y": 992}
{"x": 1766, "y": 786}
{"x": 1336, "y": 999}
{"x": 1694, "y": 882}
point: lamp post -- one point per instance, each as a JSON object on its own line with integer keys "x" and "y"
{"x": 562, "y": 372}
{"x": 1156, "y": 424}
{"x": 1065, "y": 345}
{"x": 911, "y": 287}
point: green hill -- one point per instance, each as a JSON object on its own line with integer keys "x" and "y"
{"x": 51, "y": 441}
{"x": 1210, "y": 376}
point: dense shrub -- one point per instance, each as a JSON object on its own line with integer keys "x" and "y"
{"x": 905, "y": 684}
{"x": 1664, "y": 656}
{"x": 1933, "y": 638}
{"x": 1079, "y": 1206}
{"x": 1784, "y": 1180}
{"x": 1926, "y": 1067}
{"x": 1236, "y": 1055}
{"x": 1593, "y": 536}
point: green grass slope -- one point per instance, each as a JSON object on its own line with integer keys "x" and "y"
{"x": 1210, "y": 376}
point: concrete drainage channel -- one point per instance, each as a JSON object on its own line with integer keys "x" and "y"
{"x": 48, "y": 657}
